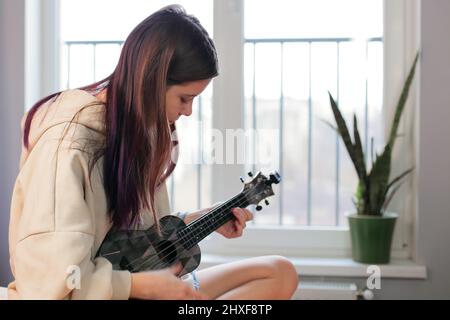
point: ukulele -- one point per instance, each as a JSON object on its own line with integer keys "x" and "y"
{"x": 143, "y": 250}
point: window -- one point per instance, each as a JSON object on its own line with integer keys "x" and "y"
{"x": 313, "y": 47}
{"x": 290, "y": 52}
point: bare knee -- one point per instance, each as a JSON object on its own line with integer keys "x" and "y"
{"x": 286, "y": 276}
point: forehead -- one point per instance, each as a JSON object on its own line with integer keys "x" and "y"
{"x": 192, "y": 87}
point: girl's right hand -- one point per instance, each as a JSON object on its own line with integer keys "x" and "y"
{"x": 162, "y": 285}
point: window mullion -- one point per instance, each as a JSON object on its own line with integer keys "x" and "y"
{"x": 228, "y": 92}
{"x": 42, "y": 52}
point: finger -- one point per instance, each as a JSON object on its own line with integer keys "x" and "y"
{"x": 176, "y": 268}
{"x": 239, "y": 214}
{"x": 238, "y": 228}
{"x": 241, "y": 219}
{"x": 238, "y": 232}
{"x": 248, "y": 215}
{"x": 243, "y": 224}
{"x": 239, "y": 225}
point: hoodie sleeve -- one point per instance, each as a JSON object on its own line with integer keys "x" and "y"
{"x": 55, "y": 235}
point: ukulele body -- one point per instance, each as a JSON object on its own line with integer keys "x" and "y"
{"x": 144, "y": 250}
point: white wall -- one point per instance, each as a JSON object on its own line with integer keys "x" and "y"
{"x": 434, "y": 158}
{"x": 12, "y": 100}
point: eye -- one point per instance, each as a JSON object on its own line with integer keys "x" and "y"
{"x": 184, "y": 100}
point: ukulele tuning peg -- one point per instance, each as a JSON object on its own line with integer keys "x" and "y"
{"x": 258, "y": 208}
{"x": 266, "y": 202}
{"x": 242, "y": 179}
{"x": 250, "y": 174}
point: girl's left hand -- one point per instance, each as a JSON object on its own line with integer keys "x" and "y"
{"x": 235, "y": 227}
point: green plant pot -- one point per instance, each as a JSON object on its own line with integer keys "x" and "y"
{"x": 371, "y": 237}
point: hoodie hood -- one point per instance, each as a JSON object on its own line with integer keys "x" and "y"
{"x": 75, "y": 105}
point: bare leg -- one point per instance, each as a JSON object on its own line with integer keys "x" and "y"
{"x": 266, "y": 277}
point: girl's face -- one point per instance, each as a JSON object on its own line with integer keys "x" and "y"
{"x": 179, "y": 98}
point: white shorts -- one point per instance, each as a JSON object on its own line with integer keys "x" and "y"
{"x": 192, "y": 279}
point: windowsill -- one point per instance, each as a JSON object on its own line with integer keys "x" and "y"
{"x": 336, "y": 267}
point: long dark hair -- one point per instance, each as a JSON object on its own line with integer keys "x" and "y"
{"x": 169, "y": 47}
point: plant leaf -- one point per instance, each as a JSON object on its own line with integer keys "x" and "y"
{"x": 396, "y": 180}
{"x": 328, "y": 123}
{"x": 359, "y": 154}
{"x": 344, "y": 133}
{"x": 360, "y": 198}
{"x": 379, "y": 175}
{"x": 390, "y": 197}
{"x": 401, "y": 103}
{"x": 378, "y": 180}
{"x": 399, "y": 177}
{"x": 371, "y": 150}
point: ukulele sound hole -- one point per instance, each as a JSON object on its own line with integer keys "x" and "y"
{"x": 166, "y": 251}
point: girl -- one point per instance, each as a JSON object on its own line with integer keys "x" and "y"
{"x": 97, "y": 158}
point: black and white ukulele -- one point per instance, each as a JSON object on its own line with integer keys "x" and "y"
{"x": 141, "y": 250}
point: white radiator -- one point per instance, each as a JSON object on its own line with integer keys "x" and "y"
{"x": 326, "y": 291}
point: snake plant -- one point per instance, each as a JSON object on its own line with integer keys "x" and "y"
{"x": 374, "y": 190}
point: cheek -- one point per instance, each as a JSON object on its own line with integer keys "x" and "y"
{"x": 170, "y": 105}
{"x": 173, "y": 104}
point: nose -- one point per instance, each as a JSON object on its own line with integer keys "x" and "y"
{"x": 187, "y": 111}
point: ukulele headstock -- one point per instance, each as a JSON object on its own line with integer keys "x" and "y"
{"x": 260, "y": 187}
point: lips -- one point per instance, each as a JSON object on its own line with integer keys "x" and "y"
{"x": 173, "y": 121}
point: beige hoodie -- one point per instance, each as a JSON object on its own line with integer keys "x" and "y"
{"x": 58, "y": 215}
